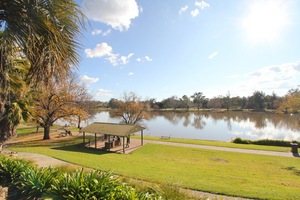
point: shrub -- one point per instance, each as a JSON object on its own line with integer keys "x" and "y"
{"x": 267, "y": 142}
{"x": 93, "y": 185}
{"x": 239, "y": 140}
{"x": 10, "y": 169}
{"x": 36, "y": 182}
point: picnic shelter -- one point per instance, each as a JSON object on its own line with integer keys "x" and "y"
{"x": 112, "y": 134}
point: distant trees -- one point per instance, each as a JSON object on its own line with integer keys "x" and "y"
{"x": 227, "y": 101}
{"x": 185, "y": 102}
{"x": 199, "y": 100}
{"x": 171, "y": 102}
{"x": 291, "y": 102}
{"x": 258, "y": 101}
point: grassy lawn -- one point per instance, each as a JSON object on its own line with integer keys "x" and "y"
{"x": 234, "y": 174}
{"x": 219, "y": 144}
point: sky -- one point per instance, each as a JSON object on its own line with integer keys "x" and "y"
{"x": 163, "y": 48}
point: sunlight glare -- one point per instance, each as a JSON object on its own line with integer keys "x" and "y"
{"x": 265, "y": 21}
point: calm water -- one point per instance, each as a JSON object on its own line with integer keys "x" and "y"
{"x": 216, "y": 126}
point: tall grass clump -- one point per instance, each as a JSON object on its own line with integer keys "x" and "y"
{"x": 94, "y": 185}
{"x": 11, "y": 169}
{"x": 35, "y": 183}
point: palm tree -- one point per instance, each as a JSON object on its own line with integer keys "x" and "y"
{"x": 43, "y": 32}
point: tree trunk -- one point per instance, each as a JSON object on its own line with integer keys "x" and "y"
{"x": 79, "y": 122}
{"x": 47, "y": 133}
{"x": 6, "y": 130}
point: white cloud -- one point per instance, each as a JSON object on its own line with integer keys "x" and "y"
{"x": 106, "y": 51}
{"x": 100, "y": 50}
{"x": 145, "y": 58}
{"x": 195, "y": 12}
{"x": 130, "y": 74}
{"x": 148, "y": 58}
{"x": 183, "y": 9}
{"x": 277, "y": 78}
{"x": 96, "y": 32}
{"x": 116, "y": 13}
{"x": 125, "y": 59}
{"x": 86, "y": 79}
{"x": 141, "y": 9}
{"x": 100, "y": 32}
{"x": 201, "y": 4}
{"x": 211, "y": 56}
{"x": 113, "y": 59}
{"x": 102, "y": 94}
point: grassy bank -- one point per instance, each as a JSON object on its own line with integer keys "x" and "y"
{"x": 234, "y": 174}
{"x": 219, "y": 144}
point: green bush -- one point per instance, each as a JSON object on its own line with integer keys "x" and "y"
{"x": 34, "y": 183}
{"x": 93, "y": 185}
{"x": 10, "y": 169}
{"x": 239, "y": 140}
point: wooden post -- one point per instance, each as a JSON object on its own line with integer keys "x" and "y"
{"x": 83, "y": 136}
{"x": 142, "y": 137}
{"x": 109, "y": 142}
{"x": 95, "y": 141}
{"x": 123, "y": 144}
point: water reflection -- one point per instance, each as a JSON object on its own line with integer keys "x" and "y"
{"x": 217, "y": 126}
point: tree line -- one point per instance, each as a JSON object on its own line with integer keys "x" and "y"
{"x": 258, "y": 101}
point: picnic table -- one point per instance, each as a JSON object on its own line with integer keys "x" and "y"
{"x": 64, "y": 133}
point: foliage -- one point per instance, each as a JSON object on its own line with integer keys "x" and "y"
{"x": 14, "y": 105}
{"x": 185, "y": 102}
{"x": 64, "y": 99}
{"x": 199, "y": 99}
{"x": 39, "y": 48}
{"x": 281, "y": 143}
{"x": 11, "y": 169}
{"x": 32, "y": 184}
{"x": 257, "y": 100}
{"x": 290, "y": 103}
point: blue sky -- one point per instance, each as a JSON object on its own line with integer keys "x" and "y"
{"x": 161, "y": 48}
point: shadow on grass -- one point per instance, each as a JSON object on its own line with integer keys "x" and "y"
{"x": 81, "y": 149}
{"x": 294, "y": 170}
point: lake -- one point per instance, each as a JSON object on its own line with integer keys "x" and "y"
{"x": 215, "y": 126}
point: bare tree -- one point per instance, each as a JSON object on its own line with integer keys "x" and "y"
{"x": 131, "y": 109}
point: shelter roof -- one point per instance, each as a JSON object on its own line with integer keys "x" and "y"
{"x": 112, "y": 129}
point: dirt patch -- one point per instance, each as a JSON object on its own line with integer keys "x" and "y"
{"x": 219, "y": 160}
{"x": 3, "y": 192}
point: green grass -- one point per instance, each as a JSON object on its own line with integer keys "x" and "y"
{"x": 219, "y": 144}
{"x": 234, "y": 174}
{"x": 24, "y": 130}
